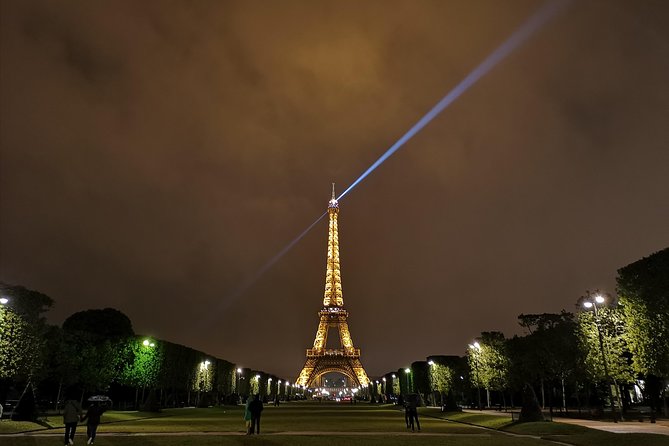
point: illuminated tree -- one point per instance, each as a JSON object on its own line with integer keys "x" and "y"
{"x": 447, "y": 379}
{"x": 643, "y": 289}
{"x": 489, "y": 362}
{"x": 607, "y": 359}
{"x": 22, "y": 332}
{"x": 146, "y": 363}
{"x": 23, "y": 336}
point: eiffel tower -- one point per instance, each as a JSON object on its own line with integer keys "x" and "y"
{"x": 320, "y": 359}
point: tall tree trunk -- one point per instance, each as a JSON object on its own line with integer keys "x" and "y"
{"x": 543, "y": 396}
{"x": 564, "y": 397}
{"x": 664, "y": 397}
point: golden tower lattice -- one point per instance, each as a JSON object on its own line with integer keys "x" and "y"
{"x": 320, "y": 359}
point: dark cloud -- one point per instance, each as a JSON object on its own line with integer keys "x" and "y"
{"x": 154, "y": 155}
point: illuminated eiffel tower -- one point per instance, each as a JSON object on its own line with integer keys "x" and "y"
{"x": 322, "y": 360}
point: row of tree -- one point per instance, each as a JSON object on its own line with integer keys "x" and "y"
{"x": 610, "y": 352}
{"x": 97, "y": 351}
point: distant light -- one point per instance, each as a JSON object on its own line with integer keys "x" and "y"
{"x": 394, "y": 376}
{"x": 588, "y": 304}
{"x": 407, "y": 370}
{"x": 462, "y": 377}
{"x": 257, "y": 376}
{"x": 239, "y": 370}
{"x": 376, "y": 381}
{"x": 384, "y": 379}
{"x": 269, "y": 380}
{"x": 279, "y": 382}
{"x": 599, "y": 299}
{"x": 430, "y": 362}
{"x": 206, "y": 362}
{"x": 146, "y": 343}
{"x": 287, "y": 383}
{"x": 152, "y": 344}
{"x": 3, "y": 301}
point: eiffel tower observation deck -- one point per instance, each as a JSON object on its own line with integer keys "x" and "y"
{"x": 333, "y": 315}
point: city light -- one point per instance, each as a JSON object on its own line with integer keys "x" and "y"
{"x": 3, "y": 301}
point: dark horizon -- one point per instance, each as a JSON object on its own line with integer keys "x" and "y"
{"x": 153, "y": 157}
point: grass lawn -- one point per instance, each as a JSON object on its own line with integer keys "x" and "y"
{"x": 307, "y": 424}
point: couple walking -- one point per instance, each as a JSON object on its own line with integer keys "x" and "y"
{"x": 252, "y": 415}
{"x": 72, "y": 415}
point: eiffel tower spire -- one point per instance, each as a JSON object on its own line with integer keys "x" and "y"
{"x": 333, "y": 293}
{"x": 320, "y": 359}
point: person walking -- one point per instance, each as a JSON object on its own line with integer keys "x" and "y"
{"x": 256, "y": 409}
{"x": 71, "y": 414}
{"x": 93, "y": 415}
{"x": 247, "y": 415}
{"x": 412, "y": 412}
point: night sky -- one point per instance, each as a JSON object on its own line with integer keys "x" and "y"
{"x": 156, "y": 154}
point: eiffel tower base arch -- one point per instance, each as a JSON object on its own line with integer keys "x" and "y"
{"x": 315, "y": 368}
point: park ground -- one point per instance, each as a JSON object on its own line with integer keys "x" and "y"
{"x": 329, "y": 424}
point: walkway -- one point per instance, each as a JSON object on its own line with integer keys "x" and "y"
{"x": 627, "y": 427}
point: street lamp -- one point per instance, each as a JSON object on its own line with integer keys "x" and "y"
{"x": 4, "y": 301}
{"x": 431, "y": 363}
{"x": 475, "y": 349}
{"x": 591, "y": 304}
{"x": 407, "y": 371}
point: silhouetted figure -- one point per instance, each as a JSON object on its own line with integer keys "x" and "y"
{"x": 247, "y": 415}
{"x": 276, "y": 401}
{"x": 93, "y": 415}
{"x": 411, "y": 412}
{"x": 256, "y": 409}
{"x": 71, "y": 414}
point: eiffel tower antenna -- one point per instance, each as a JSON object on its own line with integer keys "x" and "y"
{"x": 320, "y": 359}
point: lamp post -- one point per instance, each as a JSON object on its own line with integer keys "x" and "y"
{"x": 431, "y": 363}
{"x": 407, "y": 373}
{"x": 591, "y": 304}
{"x": 475, "y": 349}
{"x": 238, "y": 373}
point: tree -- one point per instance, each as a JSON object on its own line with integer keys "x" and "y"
{"x": 643, "y": 290}
{"x": 23, "y": 338}
{"x": 445, "y": 373}
{"x": 146, "y": 363}
{"x": 603, "y": 346}
{"x": 107, "y": 323}
{"x": 22, "y": 329}
{"x": 94, "y": 352}
{"x": 547, "y": 353}
{"x": 420, "y": 374}
{"x": 489, "y": 362}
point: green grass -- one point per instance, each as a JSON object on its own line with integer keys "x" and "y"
{"x": 307, "y": 424}
{"x": 377, "y": 440}
{"x": 7, "y": 427}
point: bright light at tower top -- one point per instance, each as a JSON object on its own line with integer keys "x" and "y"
{"x": 333, "y": 203}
